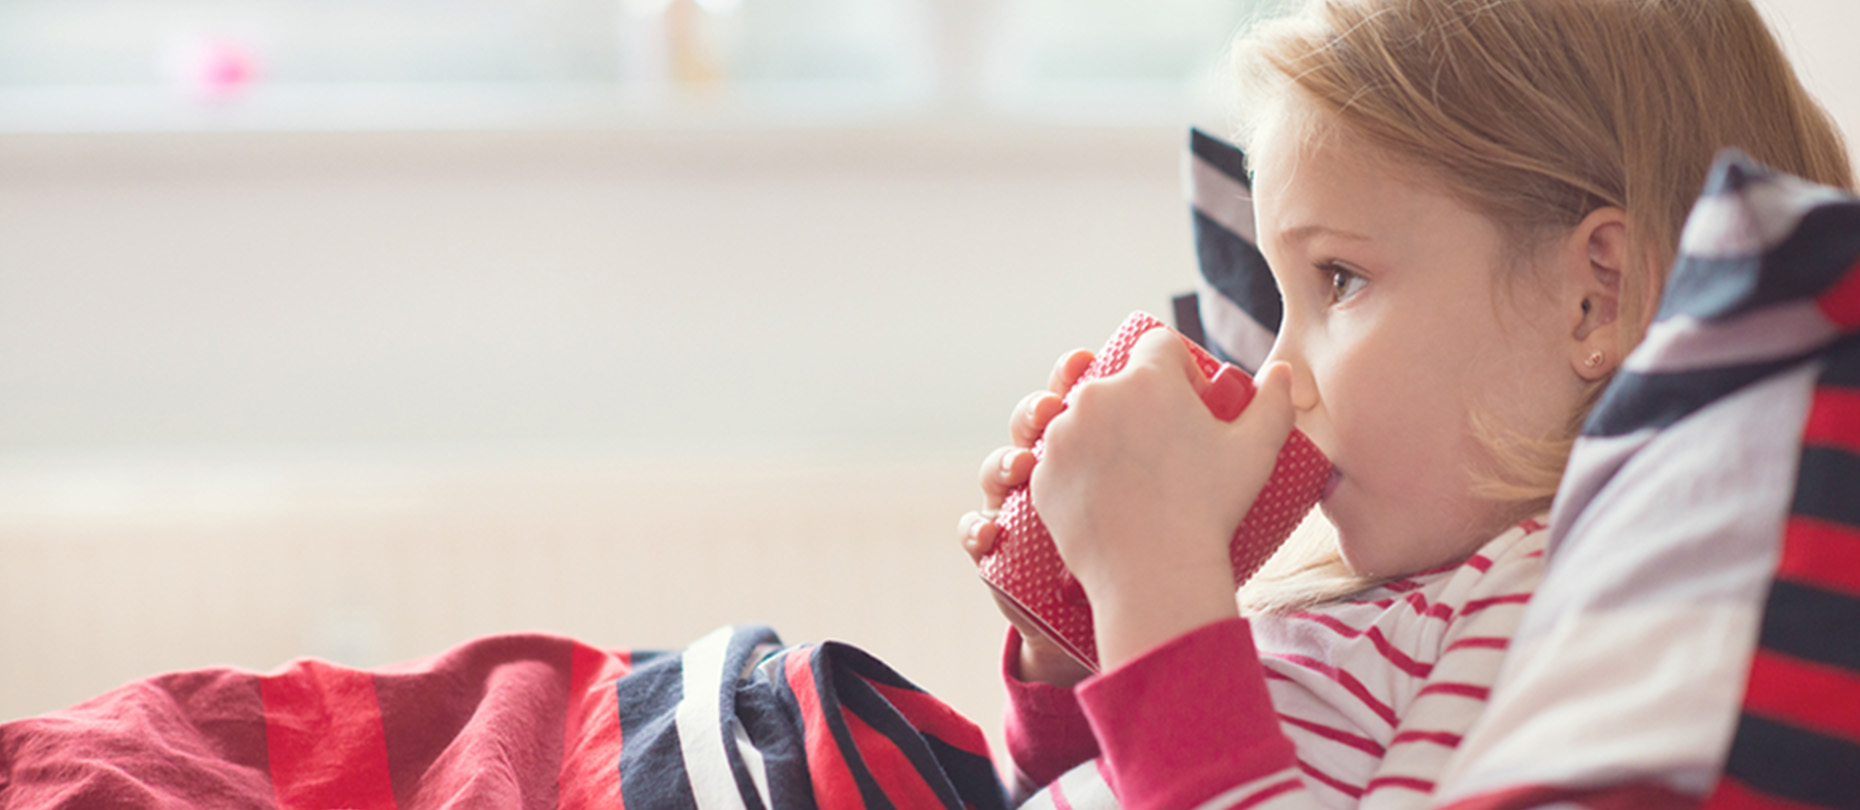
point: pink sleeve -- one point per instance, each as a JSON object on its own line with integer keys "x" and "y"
{"x": 1188, "y": 720}
{"x": 1046, "y": 731}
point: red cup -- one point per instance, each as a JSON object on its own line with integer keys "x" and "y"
{"x": 1024, "y": 565}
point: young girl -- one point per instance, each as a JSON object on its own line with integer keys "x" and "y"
{"x": 1468, "y": 207}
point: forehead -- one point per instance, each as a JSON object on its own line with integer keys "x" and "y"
{"x": 1310, "y": 172}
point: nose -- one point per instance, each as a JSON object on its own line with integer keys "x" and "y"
{"x": 1304, "y": 385}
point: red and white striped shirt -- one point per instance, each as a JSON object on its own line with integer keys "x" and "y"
{"x": 1371, "y": 696}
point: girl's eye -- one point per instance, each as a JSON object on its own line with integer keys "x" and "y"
{"x": 1344, "y": 282}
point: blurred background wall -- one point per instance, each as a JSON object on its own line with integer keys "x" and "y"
{"x": 359, "y": 329}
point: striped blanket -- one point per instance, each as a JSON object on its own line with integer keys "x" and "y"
{"x": 736, "y": 720}
{"x": 1697, "y": 638}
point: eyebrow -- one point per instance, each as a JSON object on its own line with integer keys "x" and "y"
{"x": 1305, "y": 232}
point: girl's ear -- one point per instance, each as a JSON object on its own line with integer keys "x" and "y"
{"x": 1596, "y": 256}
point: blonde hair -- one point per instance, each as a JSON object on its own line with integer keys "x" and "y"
{"x": 1536, "y": 113}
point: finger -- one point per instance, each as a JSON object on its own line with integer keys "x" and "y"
{"x": 1021, "y": 417}
{"x": 989, "y": 476}
{"x": 1068, "y": 370}
{"x": 1010, "y": 468}
{"x": 1165, "y": 351}
{"x": 1269, "y": 416}
{"x": 1032, "y": 415}
{"x": 1228, "y": 392}
{"x": 978, "y": 532}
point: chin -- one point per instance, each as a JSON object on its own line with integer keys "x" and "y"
{"x": 1363, "y": 544}
{"x": 1358, "y": 565}
{"x": 1350, "y": 538}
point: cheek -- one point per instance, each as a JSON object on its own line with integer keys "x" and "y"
{"x": 1396, "y": 409}
{"x": 1400, "y": 420}
{"x": 1402, "y": 435}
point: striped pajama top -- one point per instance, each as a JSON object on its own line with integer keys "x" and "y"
{"x": 1371, "y": 697}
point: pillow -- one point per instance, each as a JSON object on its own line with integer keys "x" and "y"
{"x": 1697, "y": 635}
{"x": 1234, "y": 311}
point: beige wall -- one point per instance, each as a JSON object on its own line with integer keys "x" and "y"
{"x": 778, "y": 288}
{"x": 382, "y": 561}
{"x": 366, "y": 396}
{"x": 1817, "y": 35}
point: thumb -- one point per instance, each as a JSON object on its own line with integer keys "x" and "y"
{"x": 1269, "y": 416}
{"x": 1251, "y": 443}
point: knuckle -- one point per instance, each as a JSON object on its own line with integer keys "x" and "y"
{"x": 1155, "y": 340}
{"x": 1086, "y": 397}
{"x": 1059, "y": 435}
{"x": 1144, "y": 373}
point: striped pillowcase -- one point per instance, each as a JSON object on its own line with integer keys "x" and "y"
{"x": 1769, "y": 280}
{"x": 1234, "y": 311}
{"x": 1697, "y": 635}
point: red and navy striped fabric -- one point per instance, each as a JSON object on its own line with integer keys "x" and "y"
{"x": 506, "y": 721}
{"x": 518, "y": 721}
{"x": 736, "y": 720}
{"x": 1797, "y": 742}
{"x": 1787, "y": 295}
{"x": 1774, "y": 263}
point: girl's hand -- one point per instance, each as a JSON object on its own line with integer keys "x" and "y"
{"x": 1142, "y": 489}
{"x": 1009, "y": 467}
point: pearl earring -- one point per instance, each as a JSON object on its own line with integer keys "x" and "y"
{"x": 1595, "y": 359}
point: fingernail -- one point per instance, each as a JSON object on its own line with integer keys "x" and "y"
{"x": 1007, "y": 462}
{"x": 1227, "y": 393}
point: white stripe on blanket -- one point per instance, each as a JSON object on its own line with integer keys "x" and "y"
{"x": 700, "y": 726}
{"x": 1631, "y": 658}
{"x": 1682, "y": 343}
{"x": 1751, "y": 222}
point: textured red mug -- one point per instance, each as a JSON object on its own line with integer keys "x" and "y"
{"x": 1024, "y": 565}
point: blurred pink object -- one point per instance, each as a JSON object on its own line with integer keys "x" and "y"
{"x": 212, "y": 68}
